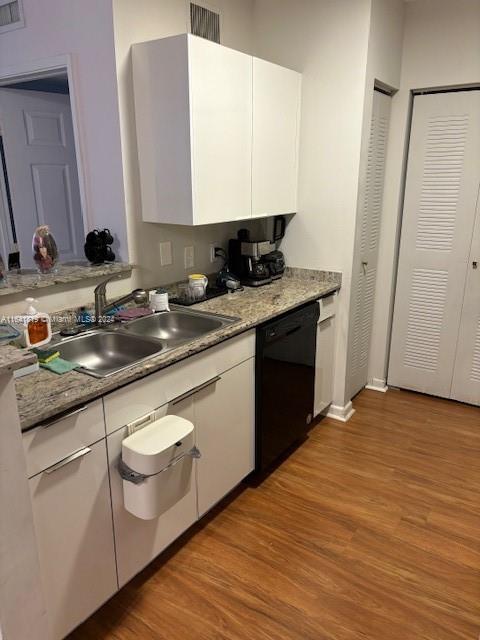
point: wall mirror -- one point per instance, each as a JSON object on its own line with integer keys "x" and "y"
{"x": 39, "y": 168}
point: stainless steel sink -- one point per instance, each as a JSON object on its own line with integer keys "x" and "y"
{"x": 101, "y": 353}
{"x": 176, "y": 327}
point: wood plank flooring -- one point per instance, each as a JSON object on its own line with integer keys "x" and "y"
{"x": 370, "y": 530}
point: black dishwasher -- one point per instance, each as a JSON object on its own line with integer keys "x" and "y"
{"x": 285, "y": 378}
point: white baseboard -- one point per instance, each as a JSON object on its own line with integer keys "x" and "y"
{"x": 377, "y": 384}
{"x": 341, "y": 413}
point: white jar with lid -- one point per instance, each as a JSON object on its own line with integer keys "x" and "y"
{"x": 197, "y": 283}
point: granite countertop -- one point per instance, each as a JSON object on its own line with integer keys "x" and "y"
{"x": 29, "y": 279}
{"x": 12, "y": 358}
{"x": 43, "y": 394}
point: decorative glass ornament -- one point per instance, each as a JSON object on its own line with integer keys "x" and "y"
{"x": 45, "y": 252}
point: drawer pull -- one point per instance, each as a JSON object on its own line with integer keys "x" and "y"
{"x": 73, "y": 456}
{"x": 45, "y": 425}
{"x": 204, "y": 385}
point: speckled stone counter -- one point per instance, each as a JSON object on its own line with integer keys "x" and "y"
{"x": 66, "y": 273}
{"x": 44, "y": 394}
{"x": 12, "y": 358}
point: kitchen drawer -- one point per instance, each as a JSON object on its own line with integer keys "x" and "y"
{"x": 56, "y": 439}
{"x": 146, "y": 395}
{"x": 328, "y": 306}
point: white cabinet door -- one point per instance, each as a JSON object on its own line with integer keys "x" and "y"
{"x": 466, "y": 376}
{"x": 225, "y": 427}
{"x": 138, "y": 541}
{"x": 438, "y": 221}
{"x": 366, "y": 248}
{"x": 276, "y": 117}
{"x": 73, "y": 523}
{"x": 193, "y": 108}
{"x": 221, "y": 129}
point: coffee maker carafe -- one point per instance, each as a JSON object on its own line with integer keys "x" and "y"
{"x": 245, "y": 259}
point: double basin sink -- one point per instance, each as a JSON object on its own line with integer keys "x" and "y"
{"x": 104, "y": 351}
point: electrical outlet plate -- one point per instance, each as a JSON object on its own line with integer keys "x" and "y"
{"x": 166, "y": 254}
{"x": 189, "y": 257}
{"x": 213, "y": 246}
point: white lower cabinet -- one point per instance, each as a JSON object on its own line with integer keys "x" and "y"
{"x": 75, "y": 484}
{"x": 139, "y": 541}
{"x": 73, "y": 524}
{"x": 224, "y": 419}
{"x": 221, "y": 409}
{"x": 325, "y": 354}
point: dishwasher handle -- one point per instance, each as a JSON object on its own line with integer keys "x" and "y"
{"x": 288, "y": 326}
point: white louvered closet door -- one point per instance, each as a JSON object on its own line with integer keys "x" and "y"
{"x": 438, "y": 221}
{"x": 366, "y": 248}
{"x": 466, "y": 375}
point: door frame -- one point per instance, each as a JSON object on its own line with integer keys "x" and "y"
{"x": 413, "y": 92}
{"x": 47, "y": 67}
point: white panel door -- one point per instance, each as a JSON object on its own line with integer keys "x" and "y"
{"x": 438, "y": 220}
{"x": 225, "y": 428}
{"x": 366, "y": 248}
{"x": 466, "y": 376}
{"x": 221, "y": 131}
{"x": 42, "y": 169}
{"x": 276, "y": 117}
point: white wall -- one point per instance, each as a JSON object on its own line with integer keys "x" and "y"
{"x": 83, "y": 29}
{"x": 137, "y": 22}
{"x": 441, "y": 48}
{"x": 327, "y": 41}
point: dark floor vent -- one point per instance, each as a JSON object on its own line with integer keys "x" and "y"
{"x": 204, "y": 22}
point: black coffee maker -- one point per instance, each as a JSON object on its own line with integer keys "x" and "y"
{"x": 245, "y": 259}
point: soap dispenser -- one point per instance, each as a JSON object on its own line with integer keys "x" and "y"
{"x": 37, "y": 326}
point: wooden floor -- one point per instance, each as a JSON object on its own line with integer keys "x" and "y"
{"x": 370, "y": 530}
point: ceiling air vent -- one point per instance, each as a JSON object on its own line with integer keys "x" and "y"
{"x": 11, "y": 15}
{"x": 204, "y": 23}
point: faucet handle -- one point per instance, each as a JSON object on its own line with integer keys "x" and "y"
{"x": 139, "y": 296}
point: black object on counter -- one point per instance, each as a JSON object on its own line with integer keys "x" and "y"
{"x": 97, "y": 246}
{"x": 284, "y": 382}
{"x": 212, "y": 292}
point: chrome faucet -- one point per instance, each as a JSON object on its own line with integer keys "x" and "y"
{"x": 139, "y": 296}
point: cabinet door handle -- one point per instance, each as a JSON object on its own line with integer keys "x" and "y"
{"x": 475, "y": 264}
{"x": 45, "y": 425}
{"x": 73, "y": 456}
{"x": 204, "y": 385}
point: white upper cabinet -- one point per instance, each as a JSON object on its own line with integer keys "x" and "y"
{"x": 221, "y": 131}
{"x": 193, "y": 106}
{"x": 217, "y": 132}
{"x": 276, "y": 119}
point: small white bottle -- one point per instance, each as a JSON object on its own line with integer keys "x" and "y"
{"x": 37, "y": 326}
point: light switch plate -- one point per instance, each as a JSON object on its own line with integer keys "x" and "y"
{"x": 189, "y": 257}
{"x": 165, "y": 253}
